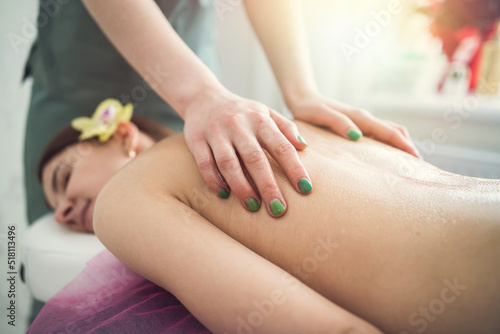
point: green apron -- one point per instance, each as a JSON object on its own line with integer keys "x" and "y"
{"x": 74, "y": 67}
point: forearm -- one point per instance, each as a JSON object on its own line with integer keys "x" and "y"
{"x": 142, "y": 34}
{"x": 280, "y": 29}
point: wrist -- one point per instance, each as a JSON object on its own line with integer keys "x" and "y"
{"x": 192, "y": 101}
{"x": 293, "y": 96}
{"x": 183, "y": 94}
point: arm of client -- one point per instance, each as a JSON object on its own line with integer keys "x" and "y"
{"x": 224, "y": 284}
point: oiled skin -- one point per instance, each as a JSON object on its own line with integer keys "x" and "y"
{"x": 401, "y": 231}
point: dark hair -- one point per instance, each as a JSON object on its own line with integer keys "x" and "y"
{"x": 69, "y": 136}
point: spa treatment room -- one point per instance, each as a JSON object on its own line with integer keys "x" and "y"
{"x": 250, "y": 166}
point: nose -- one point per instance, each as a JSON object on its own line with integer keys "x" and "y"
{"x": 63, "y": 212}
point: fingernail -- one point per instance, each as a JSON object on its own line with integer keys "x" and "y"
{"x": 223, "y": 193}
{"x": 354, "y": 134}
{"x": 305, "y": 186}
{"x": 252, "y": 204}
{"x": 302, "y": 140}
{"x": 276, "y": 207}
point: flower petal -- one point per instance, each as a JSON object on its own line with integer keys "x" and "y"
{"x": 100, "y": 124}
{"x": 101, "y": 108}
{"x": 89, "y": 133}
{"x": 105, "y": 135}
{"x": 125, "y": 114}
{"x": 82, "y": 123}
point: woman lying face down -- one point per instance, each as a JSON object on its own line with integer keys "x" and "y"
{"x": 384, "y": 242}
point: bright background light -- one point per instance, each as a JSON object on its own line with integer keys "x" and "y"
{"x": 400, "y": 55}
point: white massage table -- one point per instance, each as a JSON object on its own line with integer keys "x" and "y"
{"x": 52, "y": 255}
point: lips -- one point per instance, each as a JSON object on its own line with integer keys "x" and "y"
{"x": 84, "y": 216}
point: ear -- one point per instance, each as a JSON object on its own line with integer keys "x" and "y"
{"x": 128, "y": 135}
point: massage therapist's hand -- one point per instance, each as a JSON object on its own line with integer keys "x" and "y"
{"x": 349, "y": 122}
{"x": 224, "y": 131}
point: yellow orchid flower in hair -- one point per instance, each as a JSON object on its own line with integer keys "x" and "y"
{"x": 105, "y": 120}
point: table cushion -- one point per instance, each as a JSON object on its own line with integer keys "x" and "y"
{"x": 53, "y": 255}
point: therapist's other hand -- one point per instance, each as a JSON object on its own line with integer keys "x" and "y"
{"x": 224, "y": 130}
{"x": 350, "y": 122}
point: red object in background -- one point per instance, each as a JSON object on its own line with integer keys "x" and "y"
{"x": 453, "y": 38}
{"x": 456, "y": 20}
{"x": 474, "y": 68}
{"x": 476, "y": 61}
{"x": 451, "y": 41}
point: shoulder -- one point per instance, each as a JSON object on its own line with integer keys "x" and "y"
{"x": 165, "y": 169}
{"x": 166, "y": 166}
{"x": 172, "y": 145}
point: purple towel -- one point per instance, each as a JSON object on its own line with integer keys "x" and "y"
{"x": 108, "y": 297}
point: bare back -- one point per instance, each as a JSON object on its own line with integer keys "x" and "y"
{"x": 382, "y": 234}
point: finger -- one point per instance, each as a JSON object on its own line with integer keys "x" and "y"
{"x": 208, "y": 169}
{"x": 382, "y": 131}
{"x": 392, "y": 136}
{"x": 259, "y": 168}
{"x": 289, "y": 129}
{"x": 230, "y": 168}
{"x": 337, "y": 122}
{"x": 400, "y": 127}
{"x": 286, "y": 156}
{"x": 406, "y": 133}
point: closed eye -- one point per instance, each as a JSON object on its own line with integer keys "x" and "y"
{"x": 66, "y": 178}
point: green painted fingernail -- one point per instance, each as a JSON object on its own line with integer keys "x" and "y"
{"x": 252, "y": 204}
{"x": 223, "y": 193}
{"x": 354, "y": 134}
{"x": 302, "y": 140}
{"x": 276, "y": 207}
{"x": 305, "y": 186}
